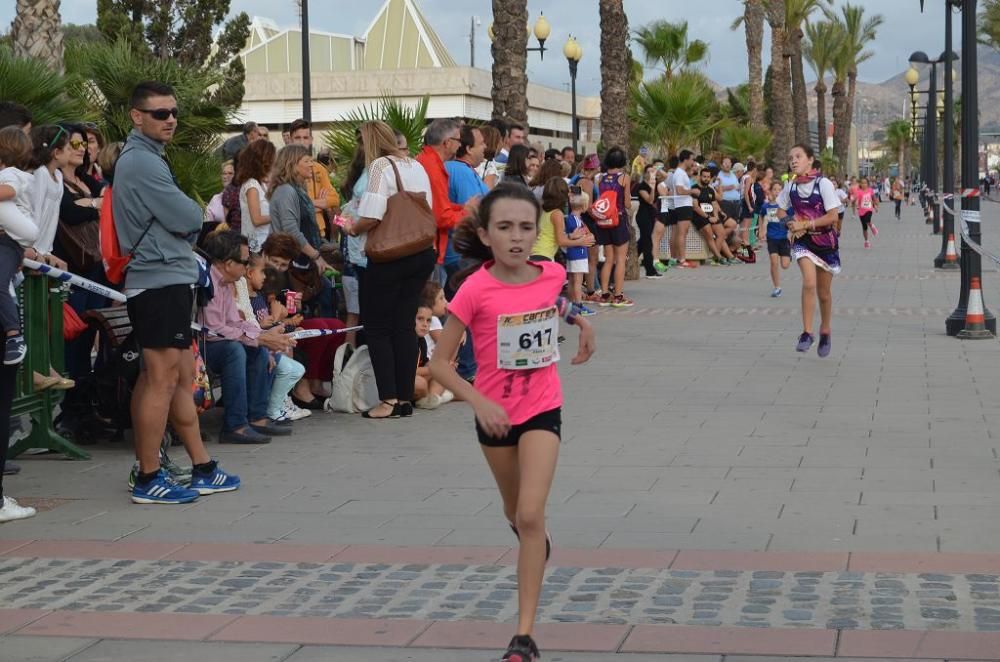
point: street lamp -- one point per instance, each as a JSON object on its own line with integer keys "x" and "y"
{"x": 912, "y": 77}
{"x": 542, "y": 31}
{"x": 573, "y": 52}
{"x": 306, "y": 75}
{"x": 930, "y": 137}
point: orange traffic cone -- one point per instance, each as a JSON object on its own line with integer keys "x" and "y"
{"x": 950, "y": 254}
{"x": 975, "y": 317}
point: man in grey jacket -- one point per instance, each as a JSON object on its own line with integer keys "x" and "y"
{"x": 157, "y": 225}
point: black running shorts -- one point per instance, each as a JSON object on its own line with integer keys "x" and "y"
{"x": 684, "y": 213}
{"x": 161, "y": 318}
{"x": 549, "y": 421}
{"x": 780, "y": 247}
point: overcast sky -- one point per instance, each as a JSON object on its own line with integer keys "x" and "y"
{"x": 905, "y": 30}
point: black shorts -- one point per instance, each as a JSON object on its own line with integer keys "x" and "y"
{"x": 683, "y": 214}
{"x": 161, "y": 318}
{"x": 781, "y": 247}
{"x": 668, "y": 218}
{"x": 866, "y": 220}
{"x": 731, "y": 208}
{"x": 550, "y": 421}
{"x": 700, "y": 221}
{"x": 616, "y": 236}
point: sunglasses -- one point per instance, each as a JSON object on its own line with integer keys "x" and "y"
{"x": 160, "y": 114}
{"x": 77, "y": 144}
{"x": 245, "y": 263}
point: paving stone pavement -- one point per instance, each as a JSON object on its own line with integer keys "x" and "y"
{"x": 695, "y": 427}
{"x": 445, "y": 592}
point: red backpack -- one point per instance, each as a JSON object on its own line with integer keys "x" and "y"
{"x": 111, "y": 251}
{"x": 604, "y": 210}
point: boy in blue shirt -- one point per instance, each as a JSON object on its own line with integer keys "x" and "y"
{"x": 577, "y": 263}
{"x": 779, "y": 249}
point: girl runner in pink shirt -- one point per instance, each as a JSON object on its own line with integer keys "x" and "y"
{"x": 512, "y": 308}
{"x": 867, "y": 203}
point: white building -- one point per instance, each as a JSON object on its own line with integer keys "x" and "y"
{"x": 400, "y": 55}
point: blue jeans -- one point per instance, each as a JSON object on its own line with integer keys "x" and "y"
{"x": 245, "y": 382}
{"x": 466, "y": 357}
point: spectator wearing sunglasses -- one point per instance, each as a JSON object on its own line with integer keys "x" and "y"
{"x": 157, "y": 224}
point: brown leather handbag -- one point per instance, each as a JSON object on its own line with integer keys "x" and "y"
{"x": 407, "y": 227}
{"x": 81, "y": 243}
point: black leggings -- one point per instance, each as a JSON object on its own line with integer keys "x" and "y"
{"x": 390, "y": 296}
{"x": 899, "y": 204}
{"x": 866, "y": 220}
{"x": 645, "y": 223}
{"x": 8, "y": 383}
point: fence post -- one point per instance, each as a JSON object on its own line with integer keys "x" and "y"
{"x": 41, "y": 309}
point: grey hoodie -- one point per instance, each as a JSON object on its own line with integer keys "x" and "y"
{"x": 144, "y": 190}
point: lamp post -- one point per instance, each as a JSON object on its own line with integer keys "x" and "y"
{"x": 971, "y": 262}
{"x": 542, "y": 31}
{"x": 306, "y": 75}
{"x": 930, "y": 138}
{"x": 573, "y": 52}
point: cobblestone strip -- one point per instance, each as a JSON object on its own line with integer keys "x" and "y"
{"x": 763, "y": 599}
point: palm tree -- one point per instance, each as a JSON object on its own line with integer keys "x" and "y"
{"x": 897, "y": 140}
{"x": 753, "y": 24}
{"x": 819, "y": 50}
{"x": 781, "y": 94}
{"x": 37, "y": 32}
{"x": 744, "y": 141}
{"x": 30, "y": 82}
{"x": 510, "y": 60}
{"x": 408, "y": 120}
{"x": 676, "y": 113}
{"x": 616, "y": 77}
{"x": 840, "y": 65}
{"x": 797, "y": 14}
{"x": 667, "y": 43}
{"x": 858, "y": 32}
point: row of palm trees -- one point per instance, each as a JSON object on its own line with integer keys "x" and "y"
{"x": 835, "y": 44}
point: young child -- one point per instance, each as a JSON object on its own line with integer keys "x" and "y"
{"x": 285, "y": 371}
{"x": 779, "y": 249}
{"x": 432, "y": 297}
{"x": 511, "y": 306}
{"x": 866, "y": 199}
{"x": 577, "y": 265}
{"x": 17, "y": 233}
{"x": 427, "y": 392}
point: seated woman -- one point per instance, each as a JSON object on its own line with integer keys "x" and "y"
{"x": 316, "y": 353}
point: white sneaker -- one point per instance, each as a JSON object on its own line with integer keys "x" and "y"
{"x": 12, "y": 511}
{"x": 294, "y": 412}
{"x": 447, "y": 397}
{"x": 432, "y": 401}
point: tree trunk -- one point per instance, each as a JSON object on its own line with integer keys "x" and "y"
{"x": 616, "y": 69}
{"x": 820, "y": 115}
{"x": 852, "y": 88}
{"x": 753, "y": 24}
{"x": 800, "y": 96}
{"x": 37, "y": 32}
{"x": 782, "y": 123}
{"x": 841, "y": 124}
{"x": 510, "y": 60}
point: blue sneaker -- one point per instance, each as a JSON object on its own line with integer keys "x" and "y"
{"x": 162, "y": 489}
{"x": 775, "y": 293}
{"x": 217, "y": 481}
{"x": 586, "y": 312}
{"x": 805, "y": 342}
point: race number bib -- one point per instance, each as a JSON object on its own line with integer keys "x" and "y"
{"x": 526, "y": 341}
{"x": 707, "y": 208}
{"x": 866, "y": 203}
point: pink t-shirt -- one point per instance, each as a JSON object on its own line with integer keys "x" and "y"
{"x": 865, "y": 199}
{"x": 479, "y": 304}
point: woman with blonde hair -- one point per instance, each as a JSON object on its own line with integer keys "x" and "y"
{"x": 391, "y": 290}
{"x": 291, "y": 209}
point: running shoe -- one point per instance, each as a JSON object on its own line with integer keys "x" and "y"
{"x": 825, "y": 345}
{"x": 14, "y": 350}
{"x": 11, "y": 510}
{"x": 605, "y": 300}
{"x": 874, "y": 230}
{"x": 805, "y": 342}
{"x": 622, "y": 301}
{"x": 586, "y": 312}
{"x": 180, "y": 475}
{"x": 733, "y": 261}
{"x": 717, "y": 262}
{"x": 868, "y": 244}
{"x": 593, "y": 297}
{"x": 215, "y": 482}
{"x": 775, "y": 293}
{"x": 672, "y": 262}
{"x": 162, "y": 489}
{"x": 548, "y": 540}
{"x": 655, "y": 275}
{"x": 660, "y": 267}
{"x": 521, "y": 648}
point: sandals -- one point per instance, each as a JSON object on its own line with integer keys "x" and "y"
{"x": 397, "y": 410}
